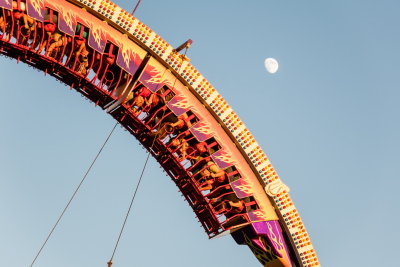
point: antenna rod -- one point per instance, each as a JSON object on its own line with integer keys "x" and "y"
{"x": 136, "y": 7}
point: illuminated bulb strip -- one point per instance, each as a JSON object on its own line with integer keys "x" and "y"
{"x": 309, "y": 258}
{"x": 190, "y": 74}
{"x": 134, "y": 24}
{"x": 184, "y": 65}
{"x": 208, "y": 96}
{"x": 168, "y": 50}
{"x": 196, "y": 83}
{"x": 213, "y": 95}
{"x": 262, "y": 165}
{"x": 233, "y": 123}
{"x": 227, "y": 110}
{"x": 238, "y": 130}
{"x": 248, "y": 146}
{"x": 89, "y": 3}
{"x": 150, "y": 37}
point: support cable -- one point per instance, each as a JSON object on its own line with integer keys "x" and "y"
{"x": 136, "y": 7}
{"x": 129, "y": 209}
{"x": 73, "y": 196}
{"x": 110, "y": 262}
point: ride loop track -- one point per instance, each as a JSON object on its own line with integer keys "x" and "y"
{"x": 153, "y": 91}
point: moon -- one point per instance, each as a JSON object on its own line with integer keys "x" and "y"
{"x": 271, "y": 65}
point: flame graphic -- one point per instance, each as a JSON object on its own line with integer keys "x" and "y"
{"x": 157, "y": 76}
{"x": 98, "y": 33}
{"x": 159, "y": 79}
{"x": 264, "y": 254}
{"x": 204, "y": 128}
{"x": 281, "y": 242}
{"x": 68, "y": 18}
{"x": 127, "y": 50}
{"x": 244, "y": 188}
{"x": 67, "y": 14}
{"x": 277, "y": 243}
{"x": 37, "y": 5}
{"x": 97, "y": 29}
{"x": 259, "y": 214}
{"x": 225, "y": 157}
{"x": 182, "y": 104}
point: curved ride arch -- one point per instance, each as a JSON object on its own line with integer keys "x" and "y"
{"x": 120, "y": 64}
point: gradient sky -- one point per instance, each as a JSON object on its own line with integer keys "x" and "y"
{"x": 328, "y": 120}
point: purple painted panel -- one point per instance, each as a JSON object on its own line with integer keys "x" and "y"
{"x": 223, "y": 159}
{"x": 130, "y": 63}
{"x": 255, "y": 216}
{"x": 177, "y": 105}
{"x": 241, "y": 188}
{"x": 98, "y": 44}
{"x": 265, "y": 238}
{"x": 154, "y": 76}
{"x": 202, "y": 131}
{"x": 6, "y": 4}
{"x": 260, "y": 228}
{"x": 67, "y": 25}
{"x": 67, "y": 19}
{"x": 148, "y": 80}
{"x": 273, "y": 233}
{"x": 35, "y": 9}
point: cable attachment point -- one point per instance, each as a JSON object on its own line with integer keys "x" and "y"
{"x": 109, "y": 263}
{"x": 186, "y": 44}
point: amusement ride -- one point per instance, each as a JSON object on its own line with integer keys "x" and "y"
{"x": 152, "y": 90}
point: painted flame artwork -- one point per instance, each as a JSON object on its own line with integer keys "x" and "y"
{"x": 157, "y": 75}
{"x": 182, "y": 104}
{"x": 127, "y": 54}
{"x": 98, "y": 34}
{"x": 159, "y": 79}
{"x": 247, "y": 189}
{"x": 67, "y": 14}
{"x": 278, "y": 244}
{"x": 37, "y": 5}
{"x": 69, "y": 19}
{"x": 260, "y": 249}
{"x": 225, "y": 157}
{"x": 259, "y": 215}
{"x": 98, "y": 30}
{"x": 204, "y": 128}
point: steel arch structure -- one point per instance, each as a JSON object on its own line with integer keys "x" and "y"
{"x": 153, "y": 91}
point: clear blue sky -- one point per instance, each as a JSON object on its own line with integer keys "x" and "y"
{"x": 329, "y": 121}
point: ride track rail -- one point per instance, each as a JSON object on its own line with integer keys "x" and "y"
{"x": 143, "y": 58}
